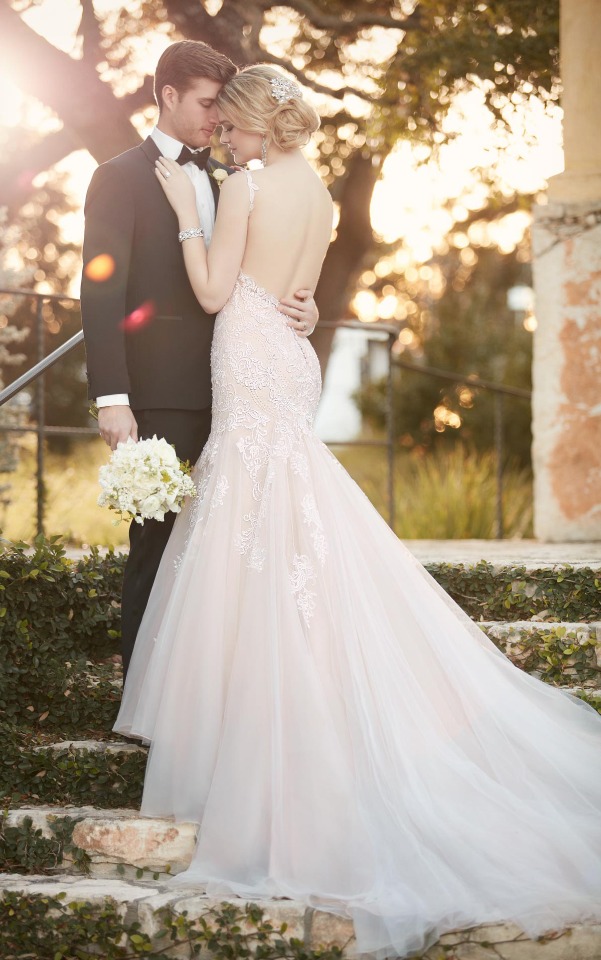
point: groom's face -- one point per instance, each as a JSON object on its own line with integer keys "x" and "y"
{"x": 190, "y": 116}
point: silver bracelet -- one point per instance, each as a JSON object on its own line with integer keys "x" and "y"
{"x": 188, "y": 234}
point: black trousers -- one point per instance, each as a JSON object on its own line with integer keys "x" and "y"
{"x": 188, "y": 431}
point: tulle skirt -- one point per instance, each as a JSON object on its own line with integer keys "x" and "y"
{"x": 342, "y": 733}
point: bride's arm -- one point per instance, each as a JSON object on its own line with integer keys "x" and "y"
{"x": 212, "y": 273}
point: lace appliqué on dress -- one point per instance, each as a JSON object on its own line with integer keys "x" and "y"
{"x": 252, "y": 186}
{"x": 221, "y": 488}
{"x": 302, "y": 574}
{"x": 313, "y": 520}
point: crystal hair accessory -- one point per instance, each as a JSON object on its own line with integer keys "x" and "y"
{"x": 283, "y": 90}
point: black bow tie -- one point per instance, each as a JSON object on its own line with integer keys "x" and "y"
{"x": 199, "y": 157}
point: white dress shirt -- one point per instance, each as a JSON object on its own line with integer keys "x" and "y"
{"x": 205, "y": 204}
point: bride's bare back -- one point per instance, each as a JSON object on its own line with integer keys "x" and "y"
{"x": 289, "y": 229}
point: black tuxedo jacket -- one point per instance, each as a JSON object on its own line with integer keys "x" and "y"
{"x": 163, "y": 363}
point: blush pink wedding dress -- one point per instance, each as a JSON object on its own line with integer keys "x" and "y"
{"x": 338, "y": 728}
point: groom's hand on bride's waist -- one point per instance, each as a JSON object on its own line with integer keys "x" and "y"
{"x": 116, "y": 424}
{"x": 302, "y": 312}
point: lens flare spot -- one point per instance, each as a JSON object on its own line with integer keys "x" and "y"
{"x": 25, "y": 179}
{"x": 100, "y": 268}
{"x": 139, "y": 317}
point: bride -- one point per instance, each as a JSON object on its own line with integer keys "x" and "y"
{"x": 336, "y": 725}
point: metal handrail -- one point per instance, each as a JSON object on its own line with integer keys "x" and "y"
{"x": 40, "y": 401}
{"x": 468, "y": 379}
{"x": 30, "y": 375}
{"x": 35, "y": 374}
{"x": 499, "y": 391}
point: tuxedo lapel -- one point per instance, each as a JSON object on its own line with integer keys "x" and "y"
{"x": 150, "y": 151}
{"x": 213, "y": 182}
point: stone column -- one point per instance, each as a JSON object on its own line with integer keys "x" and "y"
{"x": 567, "y": 281}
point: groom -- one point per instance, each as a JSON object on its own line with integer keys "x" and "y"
{"x": 147, "y": 338}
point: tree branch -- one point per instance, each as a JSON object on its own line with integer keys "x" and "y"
{"x": 89, "y": 31}
{"x": 70, "y": 87}
{"x": 16, "y": 175}
{"x": 314, "y": 84}
{"x": 224, "y": 31}
{"x": 346, "y": 23}
{"x": 190, "y": 17}
{"x": 140, "y": 98}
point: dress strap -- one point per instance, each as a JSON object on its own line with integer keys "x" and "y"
{"x": 252, "y": 186}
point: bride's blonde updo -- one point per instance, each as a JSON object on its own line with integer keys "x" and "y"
{"x": 247, "y": 101}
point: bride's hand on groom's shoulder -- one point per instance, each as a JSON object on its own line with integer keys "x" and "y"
{"x": 177, "y": 186}
{"x": 301, "y": 311}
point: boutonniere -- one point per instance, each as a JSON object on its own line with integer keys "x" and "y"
{"x": 219, "y": 175}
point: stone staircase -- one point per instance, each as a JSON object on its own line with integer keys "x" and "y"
{"x": 141, "y": 901}
{"x": 128, "y": 859}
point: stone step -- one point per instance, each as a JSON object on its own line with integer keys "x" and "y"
{"x": 522, "y": 551}
{"x": 142, "y": 901}
{"x": 531, "y": 554}
{"x": 565, "y": 654}
{"x": 119, "y": 843}
{"x": 561, "y": 653}
{"x": 114, "y": 748}
{"x": 518, "y": 639}
{"x": 101, "y": 769}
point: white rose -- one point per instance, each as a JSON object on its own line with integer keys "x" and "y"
{"x": 219, "y": 175}
{"x": 150, "y": 504}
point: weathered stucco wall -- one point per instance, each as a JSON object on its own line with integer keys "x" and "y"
{"x": 567, "y": 281}
{"x": 567, "y": 371}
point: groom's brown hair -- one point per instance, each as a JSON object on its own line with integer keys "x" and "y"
{"x": 186, "y": 61}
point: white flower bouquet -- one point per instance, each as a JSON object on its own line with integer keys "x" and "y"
{"x": 144, "y": 480}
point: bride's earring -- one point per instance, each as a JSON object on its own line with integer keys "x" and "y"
{"x": 264, "y": 150}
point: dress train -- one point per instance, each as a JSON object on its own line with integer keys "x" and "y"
{"x": 340, "y": 730}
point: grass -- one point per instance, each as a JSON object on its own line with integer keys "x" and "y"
{"x": 71, "y": 484}
{"x": 449, "y": 495}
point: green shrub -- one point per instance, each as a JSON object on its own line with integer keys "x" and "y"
{"x": 47, "y": 928}
{"x": 555, "y": 654}
{"x": 488, "y": 592}
{"x": 23, "y": 848}
{"x": 56, "y": 617}
{"x": 80, "y": 777}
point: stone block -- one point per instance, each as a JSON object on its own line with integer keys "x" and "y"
{"x": 77, "y": 888}
{"x": 293, "y": 914}
{"x": 509, "y": 942}
{"x": 43, "y": 816}
{"x": 112, "y": 747}
{"x": 149, "y": 910}
{"x": 142, "y": 842}
{"x": 195, "y": 903}
{"x": 329, "y": 930}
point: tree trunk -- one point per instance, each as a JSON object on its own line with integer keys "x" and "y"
{"x": 346, "y": 255}
{"x": 93, "y": 117}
